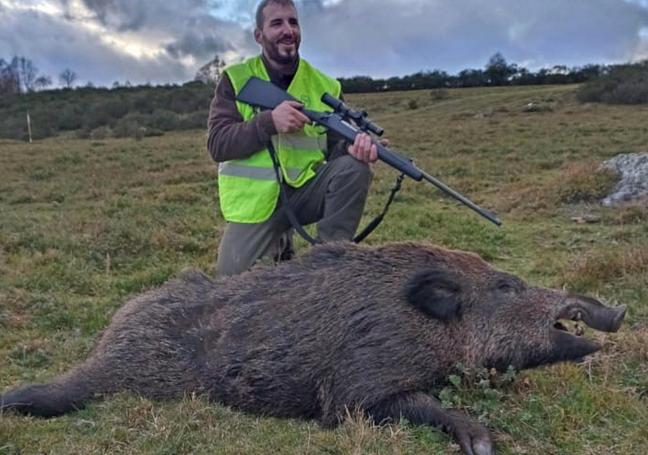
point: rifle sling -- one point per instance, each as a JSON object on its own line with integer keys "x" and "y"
{"x": 377, "y": 220}
{"x": 284, "y": 199}
{"x": 294, "y": 222}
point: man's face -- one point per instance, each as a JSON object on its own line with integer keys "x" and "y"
{"x": 280, "y": 35}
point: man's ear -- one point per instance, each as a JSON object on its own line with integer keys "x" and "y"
{"x": 257, "y": 35}
{"x": 437, "y": 293}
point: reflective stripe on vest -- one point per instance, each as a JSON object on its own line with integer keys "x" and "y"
{"x": 253, "y": 172}
{"x": 248, "y": 190}
{"x": 299, "y": 141}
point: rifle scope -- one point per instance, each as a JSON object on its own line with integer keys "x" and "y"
{"x": 358, "y": 117}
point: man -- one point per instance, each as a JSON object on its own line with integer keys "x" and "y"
{"x": 326, "y": 179}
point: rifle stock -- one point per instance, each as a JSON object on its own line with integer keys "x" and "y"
{"x": 266, "y": 95}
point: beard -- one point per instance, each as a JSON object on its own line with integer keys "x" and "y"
{"x": 281, "y": 51}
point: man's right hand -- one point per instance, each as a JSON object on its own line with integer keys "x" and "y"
{"x": 288, "y": 118}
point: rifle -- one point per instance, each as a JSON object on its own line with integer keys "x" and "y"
{"x": 266, "y": 95}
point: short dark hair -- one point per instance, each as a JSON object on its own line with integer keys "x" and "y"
{"x": 264, "y": 3}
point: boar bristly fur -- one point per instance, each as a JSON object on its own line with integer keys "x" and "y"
{"x": 342, "y": 327}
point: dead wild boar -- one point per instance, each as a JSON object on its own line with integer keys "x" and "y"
{"x": 342, "y": 327}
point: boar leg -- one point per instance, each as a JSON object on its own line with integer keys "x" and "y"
{"x": 67, "y": 393}
{"x": 422, "y": 409}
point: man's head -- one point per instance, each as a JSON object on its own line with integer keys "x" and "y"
{"x": 277, "y": 30}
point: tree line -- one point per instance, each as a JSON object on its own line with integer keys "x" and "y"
{"x": 497, "y": 72}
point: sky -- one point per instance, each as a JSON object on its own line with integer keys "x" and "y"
{"x": 160, "y": 42}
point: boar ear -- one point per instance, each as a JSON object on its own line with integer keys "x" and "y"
{"x": 436, "y": 293}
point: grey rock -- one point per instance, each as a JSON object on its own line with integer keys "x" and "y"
{"x": 633, "y": 171}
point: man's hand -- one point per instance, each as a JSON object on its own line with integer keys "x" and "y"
{"x": 362, "y": 149}
{"x": 288, "y": 118}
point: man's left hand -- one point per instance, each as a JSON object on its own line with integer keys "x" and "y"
{"x": 363, "y": 149}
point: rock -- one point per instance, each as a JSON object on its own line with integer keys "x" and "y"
{"x": 633, "y": 170}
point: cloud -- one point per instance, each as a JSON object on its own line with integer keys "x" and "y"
{"x": 118, "y": 14}
{"x": 53, "y": 45}
{"x": 204, "y": 36}
{"x": 183, "y": 28}
{"x": 167, "y": 41}
{"x": 403, "y": 36}
{"x": 107, "y": 40}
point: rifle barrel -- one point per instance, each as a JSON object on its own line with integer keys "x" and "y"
{"x": 461, "y": 198}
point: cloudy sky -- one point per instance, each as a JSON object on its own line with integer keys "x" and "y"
{"x": 167, "y": 41}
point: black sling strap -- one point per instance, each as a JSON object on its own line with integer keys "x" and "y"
{"x": 284, "y": 199}
{"x": 293, "y": 218}
{"x": 376, "y": 221}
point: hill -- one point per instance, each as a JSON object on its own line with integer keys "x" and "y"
{"x": 98, "y": 112}
{"x": 86, "y": 223}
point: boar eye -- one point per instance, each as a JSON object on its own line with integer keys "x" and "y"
{"x": 506, "y": 287}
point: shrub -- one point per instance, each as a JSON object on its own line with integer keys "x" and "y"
{"x": 195, "y": 120}
{"x": 150, "y": 132}
{"x": 143, "y": 103}
{"x": 83, "y": 133}
{"x": 127, "y": 128}
{"x": 101, "y": 132}
{"x": 584, "y": 182}
{"x": 594, "y": 270}
{"x": 439, "y": 94}
{"x": 623, "y": 84}
{"x": 575, "y": 182}
{"x": 69, "y": 118}
{"x": 96, "y": 117}
{"x": 163, "y": 120}
{"x": 13, "y": 127}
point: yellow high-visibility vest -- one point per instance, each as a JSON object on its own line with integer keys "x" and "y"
{"x": 248, "y": 189}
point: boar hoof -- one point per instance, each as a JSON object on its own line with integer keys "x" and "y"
{"x": 474, "y": 439}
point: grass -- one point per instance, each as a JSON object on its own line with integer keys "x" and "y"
{"x": 85, "y": 224}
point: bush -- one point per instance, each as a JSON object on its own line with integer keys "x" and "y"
{"x": 14, "y": 127}
{"x": 125, "y": 128}
{"x": 150, "y": 132}
{"x": 101, "y": 132}
{"x": 195, "y": 120}
{"x": 69, "y": 118}
{"x": 623, "y": 84}
{"x": 584, "y": 182}
{"x": 83, "y": 133}
{"x": 96, "y": 117}
{"x": 163, "y": 120}
{"x": 439, "y": 94}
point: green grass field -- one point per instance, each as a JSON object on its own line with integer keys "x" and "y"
{"x": 85, "y": 224}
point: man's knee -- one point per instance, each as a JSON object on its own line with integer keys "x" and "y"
{"x": 351, "y": 167}
{"x": 242, "y": 245}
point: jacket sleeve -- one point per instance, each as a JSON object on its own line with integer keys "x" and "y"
{"x": 229, "y": 137}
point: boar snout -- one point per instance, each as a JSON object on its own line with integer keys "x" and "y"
{"x": 593, "y": 313}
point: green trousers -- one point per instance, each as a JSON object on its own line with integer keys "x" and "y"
{"x": 334, "y": 199}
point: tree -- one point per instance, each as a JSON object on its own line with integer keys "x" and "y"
{"x": 67, "y": 77}
{"x": 42, "y": 82}
{"x": 471, "y": 78}
{"x": 498, "y": 71}
{"x": 210, "y": 73}
{"x": 17, "y": 76}
{"x": 9, "y": 82}
{"x": 27, "y": 72}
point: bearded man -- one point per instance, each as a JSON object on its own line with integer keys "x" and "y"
{"x": 325, "y": 178}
